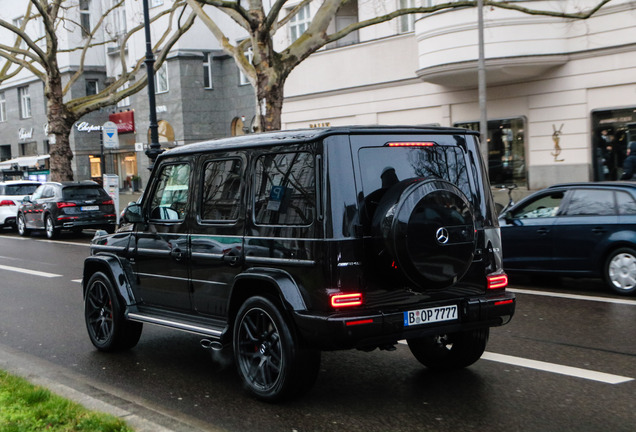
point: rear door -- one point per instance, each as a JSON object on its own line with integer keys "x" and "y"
{"x": 216, "y": 239}
{"x": 161, "y": 252}
{"x": 580, "y": 234}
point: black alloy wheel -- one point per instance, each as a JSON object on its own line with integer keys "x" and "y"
{"x": 450, "y": 351}
{"x": 22, "y": 229}
{"x": 105, "y": 322}
{"x": 269, "y": 360}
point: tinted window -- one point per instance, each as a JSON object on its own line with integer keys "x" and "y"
{"x": 544, "y": 206}
{"x": 49, "y": 192}
{"x": 170, "y": 198}
{"x": 626, "y": 204}
{"x": 441, "y": 162}
{"x": 83, "y": 193}
{"x": 591, "y": 202}
{"x": 19, "y": 189}
{"x": 285, "y": 189}
{"x": 221, "y": 190}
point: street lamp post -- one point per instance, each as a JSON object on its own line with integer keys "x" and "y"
{"x": 155, "y": 148}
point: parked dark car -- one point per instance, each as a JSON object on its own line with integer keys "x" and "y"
{"x": 67, "y": 206}
{"x": 575, "y": 229}
{"x": 281, "y": 245}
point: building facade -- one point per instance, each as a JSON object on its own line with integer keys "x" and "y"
{"x": 561, "y": 94}
{"x": 199, "y": 94}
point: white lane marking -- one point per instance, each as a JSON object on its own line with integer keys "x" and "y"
{"x": 557, "y": 368}
{"x": 27, "y": 271}
{"x": 76, "y": 280}
{"x": 553, "y": 367}
{"x": 573, "y": 296}
{"x": 64, "y": 242}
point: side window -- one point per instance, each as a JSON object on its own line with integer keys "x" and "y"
{"x": 48, "y": 192}
{"x": 285, "y": 189}
{"x": 545, "y": 206}
{"x": 38, "y": 192}
{"x": 591, "y": 202}
{"x": 221, "y": 190}
{"x": 626, "y": 204}
{"x": 170, "y": 197}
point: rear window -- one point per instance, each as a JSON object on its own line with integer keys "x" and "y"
{"x": 83, "y": 193}
{"x": 18, "y": 189}
{"x": 382, "y": 167}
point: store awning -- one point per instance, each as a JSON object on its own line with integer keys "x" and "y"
{"x": 23, "y": 161}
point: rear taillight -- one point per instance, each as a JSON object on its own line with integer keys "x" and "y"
{"x": 4, "y": 203}
{"x": 108, "y": 202}
{"x": 346, "y": 300}
{"x": 66, "y": 204}
{"x": 497, "y": 281}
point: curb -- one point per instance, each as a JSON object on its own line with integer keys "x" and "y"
{"x": 95, "y": 396}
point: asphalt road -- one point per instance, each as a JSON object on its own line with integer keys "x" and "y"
{"x": 565, "y": 363}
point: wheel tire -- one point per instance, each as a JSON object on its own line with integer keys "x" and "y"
{"x": 620, "y": 271}
{"x": 21, "y": 226}
{"x": 107, "y": 328}
{"x": 268, "y": 357}
{"x": 49, "y": 227}
{"x": 450, "y": 351}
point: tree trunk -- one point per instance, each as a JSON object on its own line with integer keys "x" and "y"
{"x": 269, "y": 99}
{"x": 60, "y": 122}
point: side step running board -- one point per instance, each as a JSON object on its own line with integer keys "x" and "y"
{"x": 178, "y": 325}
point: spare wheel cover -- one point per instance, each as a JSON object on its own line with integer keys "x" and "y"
{"x": 432, "y": 233}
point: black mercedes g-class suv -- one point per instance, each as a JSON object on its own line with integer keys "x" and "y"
{"x": 285, "y": 244}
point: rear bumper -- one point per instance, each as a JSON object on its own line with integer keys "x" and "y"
{"x": 370, "y": 329}
{"x": 86, "y": 223}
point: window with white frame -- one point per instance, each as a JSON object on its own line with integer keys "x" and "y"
{"x": 125, "y": 101}
{"x": 18, "y": 23}
{"x": 92, "y": 87}
{"x": 161, "y": 79}
{"x": 25, "y": 102}
{"x": 407, "y": 22}
{"x": 3, "y": 107}
{"x": 299, "y": 23}
{"x": 243, "y": 80}
{"x": 207, "y": 71}
{"x": 119, "y": 18}
{"x": 85, "y": 17}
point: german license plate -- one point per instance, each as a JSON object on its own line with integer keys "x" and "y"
{"x": 89, "y": 208}
{"x": 430, "y": 315}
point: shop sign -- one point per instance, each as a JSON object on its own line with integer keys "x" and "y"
{"x": 124, "y": 120}
{"x": 87, "y": 127}
{"x": 25, "y": 134}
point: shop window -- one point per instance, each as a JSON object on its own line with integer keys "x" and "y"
{"x": 96, "y": 166}
{"x": 506, "y": 150}
{"x": 612, "y": 130}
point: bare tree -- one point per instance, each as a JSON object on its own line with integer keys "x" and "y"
{"x": 268, "y": 70}
{"x": 39, "y": 56}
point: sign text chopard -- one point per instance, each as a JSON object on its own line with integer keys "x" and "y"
{"x": 87, "y": 127}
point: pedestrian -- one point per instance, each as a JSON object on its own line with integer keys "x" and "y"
{"x": 629, "y": 165}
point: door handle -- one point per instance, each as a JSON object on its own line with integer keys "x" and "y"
{"x": 598, "y": 230}
{"x": 543, "y": 231}
{"x": 177, "y": 254}
{"x": 232, "y": 260}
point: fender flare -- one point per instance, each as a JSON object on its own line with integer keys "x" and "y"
{"x": 116, "y": 269}
{"x": 288, "y": 289}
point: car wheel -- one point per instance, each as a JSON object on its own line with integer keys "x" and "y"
{"x": 22, "y": 229}
{"x": 450, "y": 351}
{"x": 269, "y": 360}
{"x": 107, "y": 328}
{"x": 620, "y": 271}
{"x": 49, "y": 226}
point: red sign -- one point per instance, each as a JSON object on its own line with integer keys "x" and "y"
{"x": 125, "y": 121}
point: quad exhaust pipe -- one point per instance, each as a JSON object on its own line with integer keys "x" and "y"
{"x": 211, "y": 345}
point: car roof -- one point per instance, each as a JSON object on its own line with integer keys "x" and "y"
{"x": 299, "y": 136}
{"x": 610, "y": 184}
{"x": 73, "y": 183}
{"x": 14, "y": 182}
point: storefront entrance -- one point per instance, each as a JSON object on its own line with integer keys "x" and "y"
{"x": 506, "y": 150}
{"x": 612, "y": 130}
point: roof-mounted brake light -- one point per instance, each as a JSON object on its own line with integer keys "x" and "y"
{"x": 411, "y": 144}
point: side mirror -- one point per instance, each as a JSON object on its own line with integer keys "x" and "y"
{"x": 132, "y": 214}
{"x": 27, "y": 199}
